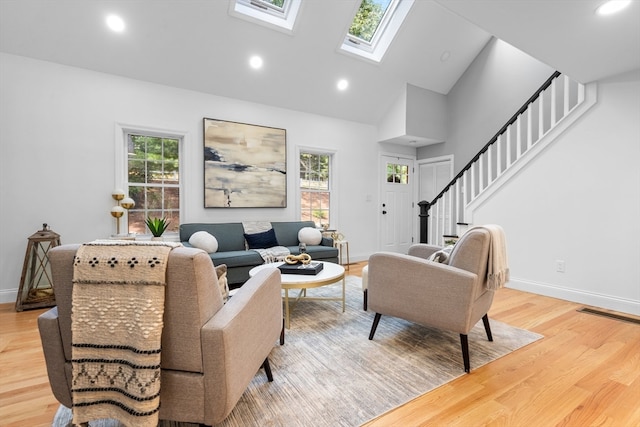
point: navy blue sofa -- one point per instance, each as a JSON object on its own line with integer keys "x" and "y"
{"x": 239, "y": 260}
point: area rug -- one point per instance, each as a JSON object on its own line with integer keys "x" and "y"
{"x": 328, "y": 373}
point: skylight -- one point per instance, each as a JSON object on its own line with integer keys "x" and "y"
{"x": 374, "y": 27}
{"x": 276, "y": 14}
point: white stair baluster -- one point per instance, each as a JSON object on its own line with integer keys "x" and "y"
{"x": 518, "y": 137}
{"x": 508, "y": 148}
{"x": 457, "y": 199}
{"x": 553, "y": 101}
{"x": 467, "y": 191}
{"x": 481, "y": 180}
{"x": 580, "y": 93}
{"x": 499, "y": 156}
{"x": 529, "y": 126}
{"x": 541, "y": 116}
{"x": 490, "y": 165}
{"x": 472, "y": 179}
{"x": 567, "y": 87}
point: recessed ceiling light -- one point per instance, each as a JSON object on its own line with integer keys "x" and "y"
{"x": 115, "y": 23}
{"x": 343, "y": 84}
{"x": 255, "y": 62}
{"x": 612, "y": 7}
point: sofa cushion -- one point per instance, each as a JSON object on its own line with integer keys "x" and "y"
{"x": 230, "y": 236}
{"x": 310, "y": 236}
{"x": 237, "y": 258}
{"x": 316, "y": 252}
{"x": 287, "y": 231}
{"x": 263, "y": 240}
{"x": 203, "y": 240}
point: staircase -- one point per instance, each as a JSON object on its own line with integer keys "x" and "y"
{"x": 550, "y": 111}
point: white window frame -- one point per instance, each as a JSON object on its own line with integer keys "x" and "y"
{"x": 332, "y": 197}
{"x": 265, "y": 14}
{"x": 383, "y": 37}
{"x": 121, "y": 161}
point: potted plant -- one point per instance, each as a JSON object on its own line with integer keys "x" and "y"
{"x": 157, "y": 226}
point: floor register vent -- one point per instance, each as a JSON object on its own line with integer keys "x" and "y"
{"x": 609, "y": 315}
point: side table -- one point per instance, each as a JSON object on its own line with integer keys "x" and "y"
{"x": 341, "y": 245}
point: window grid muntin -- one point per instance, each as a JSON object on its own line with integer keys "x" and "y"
{"x": 397, "y": 174}
{"x": 315, "y": 188}
{"x": 156, "y": 189}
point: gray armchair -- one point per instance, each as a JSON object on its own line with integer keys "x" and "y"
{"x": 452, "y": 297}
{"x": 210, "y": 351}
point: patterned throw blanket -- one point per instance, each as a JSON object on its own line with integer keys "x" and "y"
{"x": 116, "y": 324}
{"x": 274, "y": 254}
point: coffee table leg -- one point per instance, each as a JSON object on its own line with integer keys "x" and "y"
{"x": 343, "y": 292}
{"x": 286, "y": 308}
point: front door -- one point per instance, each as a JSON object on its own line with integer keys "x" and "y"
{"x": 397, "y": 210}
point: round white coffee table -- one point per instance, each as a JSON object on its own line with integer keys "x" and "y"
{"x": 331, "y": 273}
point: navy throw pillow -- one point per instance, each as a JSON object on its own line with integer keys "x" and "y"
{"x": 266, "y": 239}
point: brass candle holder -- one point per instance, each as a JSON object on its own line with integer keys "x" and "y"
{"x": 124, "y": 204}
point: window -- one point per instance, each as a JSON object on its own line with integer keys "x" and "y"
{"x": 315, "y": 187}
{"x": 374, "y": 27}
{"x": 276, "y": 14}
{"x": 153, "y": 179}
{"x": 398, "y": 174}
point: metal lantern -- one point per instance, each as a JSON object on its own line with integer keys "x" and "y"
{"x": 36, "y": 284}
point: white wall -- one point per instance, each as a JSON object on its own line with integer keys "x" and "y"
{"x": 579, "y": 202}
{"x": 57, "y": 134}
{"x": 426, "y": 114}
{"x": 492, "y": 89}
{"x": 394, "y": 122}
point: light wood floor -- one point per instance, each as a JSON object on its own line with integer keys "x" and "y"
{"x": 585, "y": 372}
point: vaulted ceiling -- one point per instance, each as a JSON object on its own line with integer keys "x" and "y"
{"x": 198, "y": 45}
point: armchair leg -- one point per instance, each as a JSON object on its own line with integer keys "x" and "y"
{"x": 282, "y": 333}
{"x": 464, "y": 342}
{"x": 364, "y": 304}
{"x": 267, "y": 369}
{"x": 487, "y": 327}
{"x": 376, "y": 319}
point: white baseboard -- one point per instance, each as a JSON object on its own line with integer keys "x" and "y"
{"x": 8, "y": 295}
{"x": 578, "y": 296}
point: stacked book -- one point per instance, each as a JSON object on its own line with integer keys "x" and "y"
{"x": 313, "y": 268}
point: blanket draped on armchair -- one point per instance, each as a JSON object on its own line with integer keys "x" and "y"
{"x": 498, "y": 263}
{"x": 116, "y": 325}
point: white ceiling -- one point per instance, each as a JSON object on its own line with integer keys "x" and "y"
{"x": 197, "y": 45}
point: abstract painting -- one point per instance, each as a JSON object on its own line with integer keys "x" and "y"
{"x": 245, "y": 166}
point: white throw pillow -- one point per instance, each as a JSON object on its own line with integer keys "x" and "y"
{"x": 203, "y": 240}
{"x": 310, "y": 236}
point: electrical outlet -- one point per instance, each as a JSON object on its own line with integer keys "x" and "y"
{"x": 560, "y": 266}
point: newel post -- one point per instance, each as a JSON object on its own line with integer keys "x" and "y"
{"x": 424, "y": 217}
